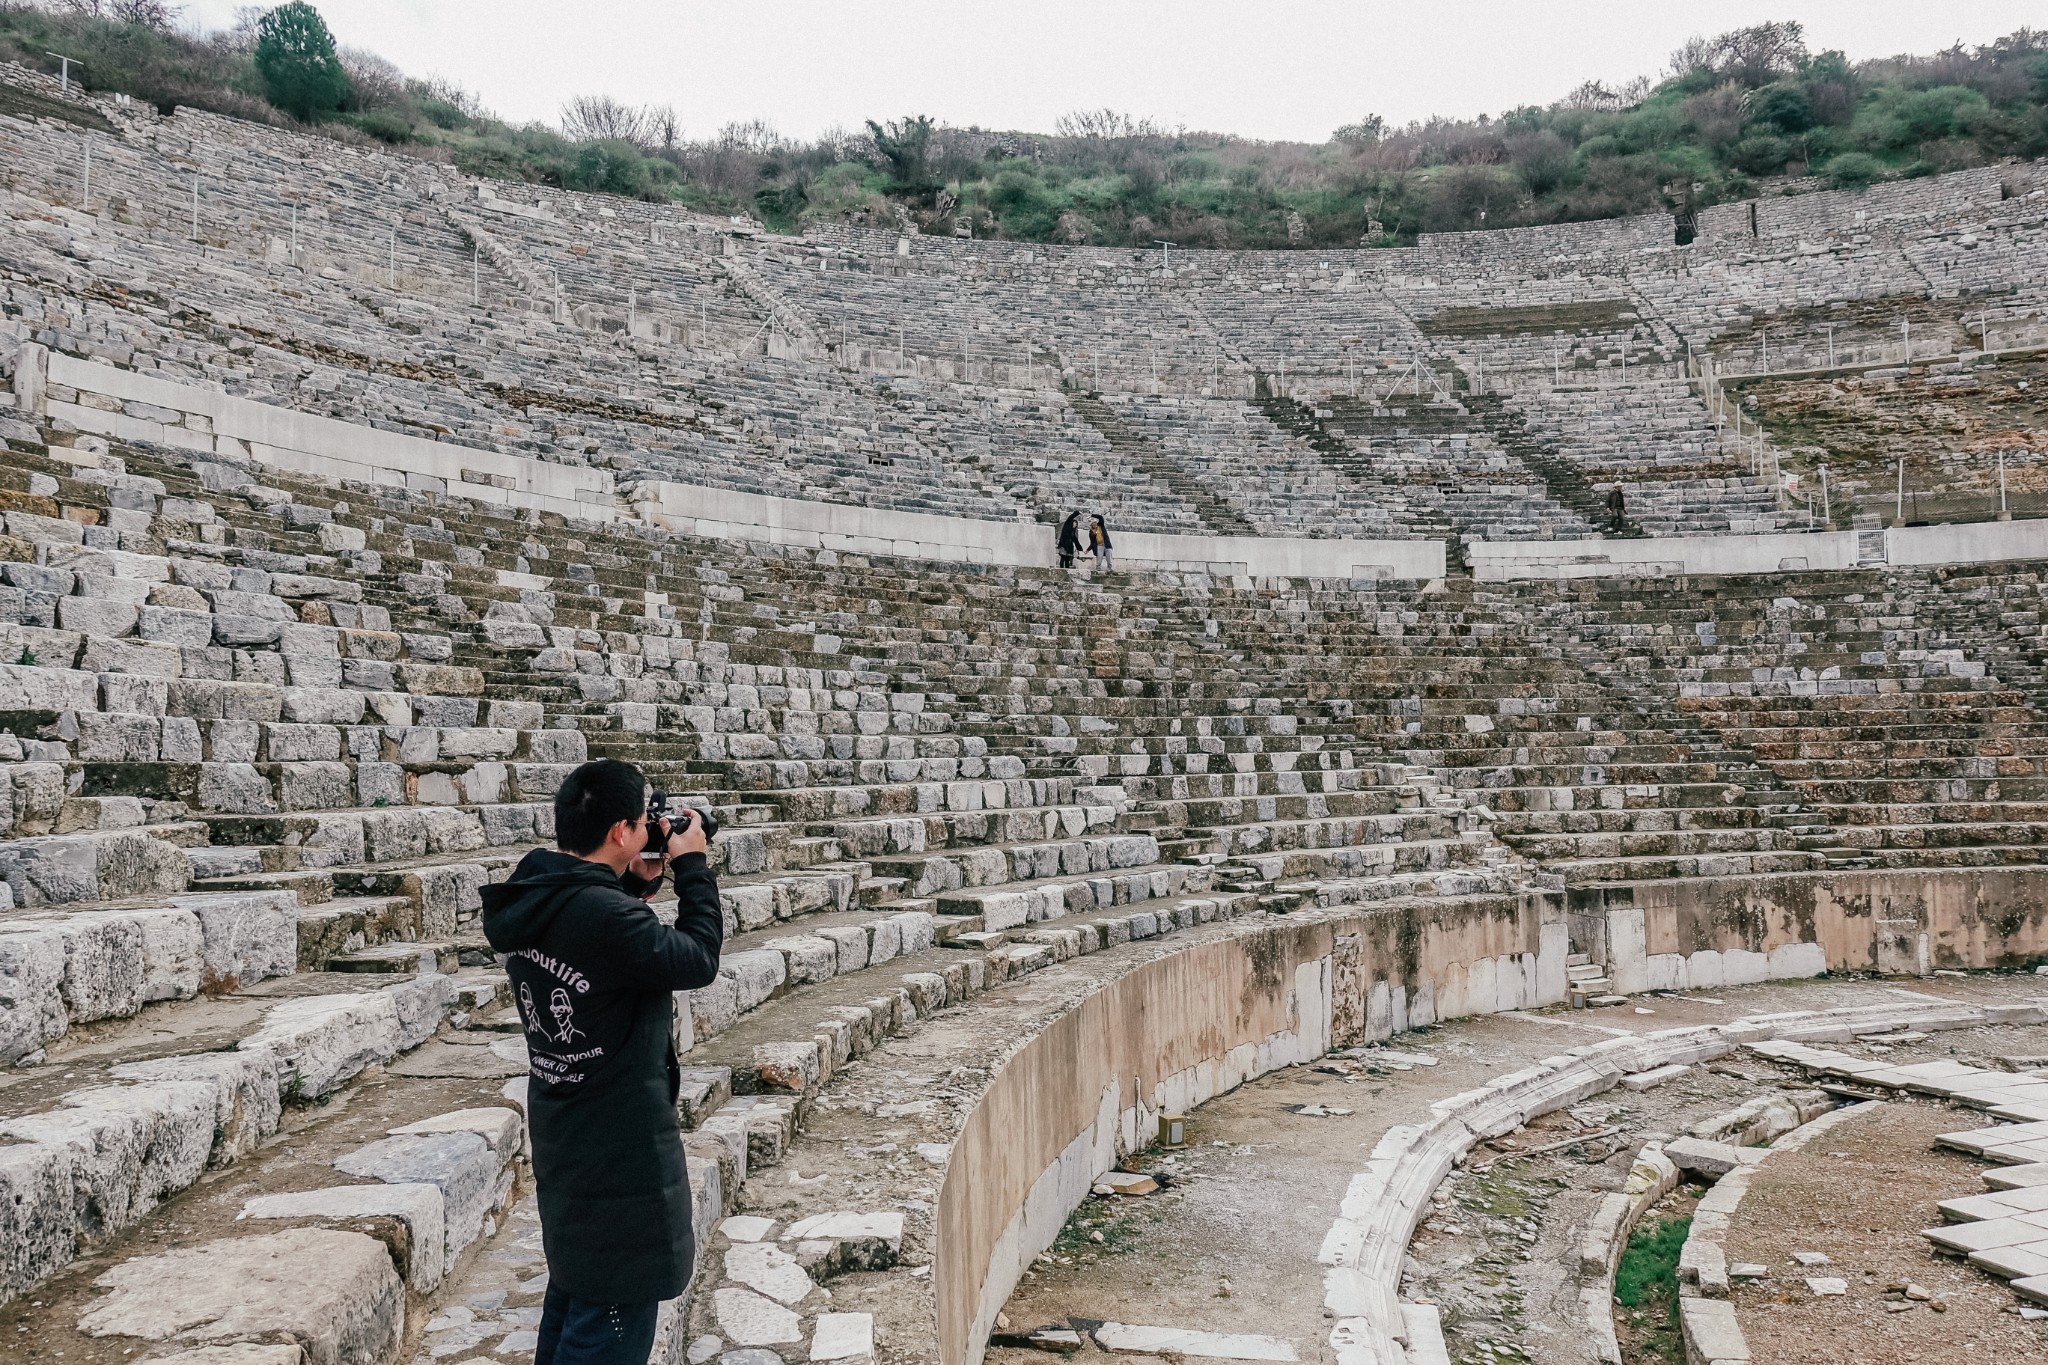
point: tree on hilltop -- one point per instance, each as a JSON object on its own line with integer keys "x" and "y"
{"x": 905, "y": 144}
{"x": 295, "y": 56}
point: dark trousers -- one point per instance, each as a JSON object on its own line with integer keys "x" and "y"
{"x": 1066, "y": 559}
{"x": 576, "y": 1332}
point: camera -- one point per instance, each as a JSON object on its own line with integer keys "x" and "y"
{"x": 658, "y": 810}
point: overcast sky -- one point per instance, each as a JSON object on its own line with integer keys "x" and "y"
{"x": 1283, "y": 71}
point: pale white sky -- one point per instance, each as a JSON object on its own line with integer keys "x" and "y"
{"x": 1282, "y": 71}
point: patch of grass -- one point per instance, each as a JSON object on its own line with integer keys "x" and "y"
{"x": 1496, "y": 1195}
{"x": 1650, "y": 1264}
{"x": 1646, "y": 1285}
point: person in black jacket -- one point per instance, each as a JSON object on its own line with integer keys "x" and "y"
{"x": 1070, "y": 539}
{"x": 594, "y": 971}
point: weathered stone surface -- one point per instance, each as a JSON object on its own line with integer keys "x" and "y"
{"x": 751, "y": 1320}
{"x": 460, "y": 1164}
{"x": 334, "y": 1293}
{"x": 767, "y": 1269}
{"x": 844, "y": 1337}
{"x": 419, "y": 1205}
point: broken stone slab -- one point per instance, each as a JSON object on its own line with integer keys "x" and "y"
{"x": 746, "y": 1228}
{"x": 844, "y": 1339}
{"x": 751, "y": 1320}
{"x": 1133, "y": 1339}
{"x": 1127, "y": 1183}
{"x": 1710, "y": 1159}
{"x": 840, "y": 1243}
{"x": 767, "y": 1269}
{"x": 334, "y": 1293}
{"x": 1825, "y": 1286}
{"x": 420, "y": 1206}
{"x": 1645, "y": 1080}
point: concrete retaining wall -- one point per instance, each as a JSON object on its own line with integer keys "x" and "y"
{"x": 1703, "y": 933}
{"x": 132, "y": 406}
{"x": 1189, "y": 1026}
{"x": 1677, "y": 556}
{"x": 726, "y": 514}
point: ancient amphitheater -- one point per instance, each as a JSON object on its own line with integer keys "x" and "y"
{"x": 1472, "y": 878}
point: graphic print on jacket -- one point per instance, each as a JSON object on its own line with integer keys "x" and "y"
{"x": 579, "y": 1028}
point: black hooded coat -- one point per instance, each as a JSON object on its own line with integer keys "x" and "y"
{"x": 593, "y": 974}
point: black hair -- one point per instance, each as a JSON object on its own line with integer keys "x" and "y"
{"x": 592, "y": 799}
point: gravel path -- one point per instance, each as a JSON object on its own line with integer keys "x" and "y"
{"x": 1860, "y": 1195}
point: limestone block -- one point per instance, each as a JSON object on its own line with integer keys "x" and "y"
{"x": 99, "y": 865}
{"x": 321, "y": 1041}
{"x": 461, "y": 1165}
{"x": 335, "y": 1293}
{"x": 807, "y": 959}
{"x": 287, "y": 742}
{"x": 32, "y": 1010}
{"x": 234, "y": 789}
{"x": 757, "y": 974}
{"x": 246, "y": 936}
{"x": 105, "y": 737}
{"x": 322, "y": 705}
{"x": 419, "y": 1206}
{"x": 38, "y": 1217}
{"x": 748, "y": 1319}
{"x": 421, "y": 1004}
{"x": 244, "y": 1087}
{"x": 97, "y": 616}
{"x": 713, "y": 1009}
{"x": 30, "y": 688}
{"x": 794, "y": 1067}
{"x": 130, "y": 1147}
{"x": 313, "y": 786}
{"x": 171, "y": 625}
{"x": 851, "y": 942}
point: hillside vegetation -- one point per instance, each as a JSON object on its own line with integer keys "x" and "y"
{"x": 1752, "y": 111}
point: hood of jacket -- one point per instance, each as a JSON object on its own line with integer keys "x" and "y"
{"x": 518, "y": 910}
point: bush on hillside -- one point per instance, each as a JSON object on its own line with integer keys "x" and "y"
{"x": 1853, "y": 171}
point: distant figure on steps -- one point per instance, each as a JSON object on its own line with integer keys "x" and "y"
{"x": 1617, "y": 508}
{"x": 1098, "y": 540}
{"x": 1070, "y": 539}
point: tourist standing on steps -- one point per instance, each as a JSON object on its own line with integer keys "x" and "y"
{"x": 1617, "y": 507}
{"x": 1069, "y": 539}
{"x": 595, "y": 974}
{"x": 1098, "y": 540}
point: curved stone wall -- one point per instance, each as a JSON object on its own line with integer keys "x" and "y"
{"x": 1181, "y": 1029}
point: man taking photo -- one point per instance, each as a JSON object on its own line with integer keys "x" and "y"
{"x": 593, "y": 971}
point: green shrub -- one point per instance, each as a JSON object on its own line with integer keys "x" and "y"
{"x": 382, "y": 124}
{"x": 1852, "y": 170}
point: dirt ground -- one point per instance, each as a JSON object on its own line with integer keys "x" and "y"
{"x": 1229, "y": 1244}
{"x": 1860, "y": 1194}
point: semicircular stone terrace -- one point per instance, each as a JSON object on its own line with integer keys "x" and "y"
{"x": 1014, "y": 860}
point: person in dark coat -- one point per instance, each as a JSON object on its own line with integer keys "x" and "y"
{"x": 1098, "y": 541}
{"x": 1069, "y": 542}
{"x": 594, "y": 972}
{"x": 1617, "y": 507}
